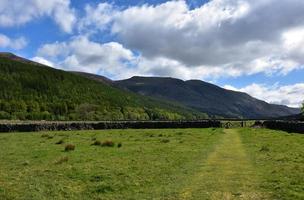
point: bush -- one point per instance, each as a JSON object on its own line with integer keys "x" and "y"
{"x": 69, "y": 147}
{"x": 108, "y": 143}
{"x": 119, "y": 145}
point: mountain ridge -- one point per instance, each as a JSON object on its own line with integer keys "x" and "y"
{"x": 206, "y": 97}
{"x": 181, "y": 91}
{"x": 30, "y": 91}
{"x": 191, "y": 98}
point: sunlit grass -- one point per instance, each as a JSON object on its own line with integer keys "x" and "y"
{"x": 152, "y": 164}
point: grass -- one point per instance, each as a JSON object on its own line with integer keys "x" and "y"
{"x": 153, "y": 164}
{"x": 279, "y": 158}
{"x": 227, "y": 173}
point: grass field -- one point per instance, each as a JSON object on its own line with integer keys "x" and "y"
{"x": 153, "y": 164}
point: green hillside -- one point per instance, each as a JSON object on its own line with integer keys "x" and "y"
{"x": 32, "y": 91}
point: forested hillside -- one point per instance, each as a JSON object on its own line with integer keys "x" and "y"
{"x": 35, "y": 92}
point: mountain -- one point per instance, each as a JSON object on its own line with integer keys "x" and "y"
{"x": 205, "y": 97}
{"x": 13, "y": 57}
{"x": 29, "y": 90}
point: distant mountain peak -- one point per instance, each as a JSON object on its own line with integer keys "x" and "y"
{"x": 11, "y": 56}
{"x": 205, "y": 97}
{"x": 153, "y": 77}
{"x": 7, "y": 54}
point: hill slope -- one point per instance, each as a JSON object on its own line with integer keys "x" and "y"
{"x": 29, "y": 90}
{"x": 205, "y": 97}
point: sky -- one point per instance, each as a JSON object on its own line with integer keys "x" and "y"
{"x": 255, "y": 47}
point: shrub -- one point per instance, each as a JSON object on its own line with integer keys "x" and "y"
{"x": 108, "y": 143}
{"x": 96, "y": 143}
{"x": 62, "y": 160}
{"x": 69, "y": 147}
{"x": 119, "y": 145}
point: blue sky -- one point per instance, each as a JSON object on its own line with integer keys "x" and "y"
{"x": 238, "y": 44}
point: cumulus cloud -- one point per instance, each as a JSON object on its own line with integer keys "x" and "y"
{"x": 97, "y": 18}
{"x": 219, "y": 38}
{"x": 112, "y": 59}
{"x": 81, "y": 54}
{"x": 291, "y": 95}
{"x": 12, "y": 43}
{"x": 18, "y": 12}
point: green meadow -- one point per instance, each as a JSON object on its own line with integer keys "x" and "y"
{"x": 152, "y": 164}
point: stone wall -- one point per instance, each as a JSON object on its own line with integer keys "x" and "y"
{"x": 66, "y": 126}
{"x": 288, "y": 126}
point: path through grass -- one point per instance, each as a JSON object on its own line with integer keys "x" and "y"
{"x": 158, "y": 164}
{"x": 226, "y": 174}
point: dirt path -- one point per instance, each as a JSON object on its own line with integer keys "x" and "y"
{"x": 226, "y": 174}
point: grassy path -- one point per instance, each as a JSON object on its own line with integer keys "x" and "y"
{"x": 226, "y": 174}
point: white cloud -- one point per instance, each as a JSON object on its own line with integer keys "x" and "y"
{"x": 293, "y": 42}
{"x": 290, "y": 95}
{"x": 81, "y": 54}
{"x": 220, "y": 38}
{"x": 114, "y": 60}
{"x": 18, "y": 12}
{"x": 43, "y": 61}
{"x": 97, "y": 17}
{"x": 15, "y": 43}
